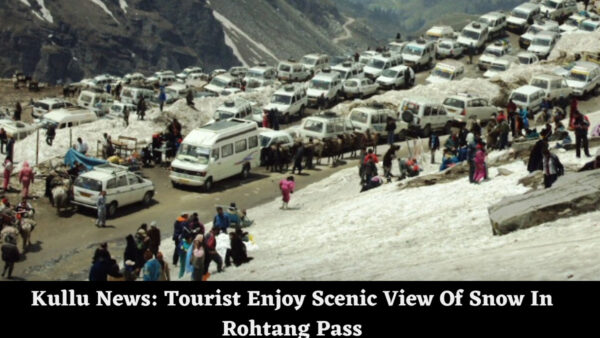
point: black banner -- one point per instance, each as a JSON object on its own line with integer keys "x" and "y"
{"x": 309, "y": 309}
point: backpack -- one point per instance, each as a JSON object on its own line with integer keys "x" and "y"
{"x": 211, "y": 242}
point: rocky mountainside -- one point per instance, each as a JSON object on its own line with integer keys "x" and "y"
{"x": 66, "y": 40}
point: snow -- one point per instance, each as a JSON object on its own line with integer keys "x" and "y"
{"x": 437, "y": 92}
{"x": 26, "y": 3}
{"x": 233, "y": 47}
{"x": 230, "y": 26}
{"x": 519, "y": 74}
{"x": 104, "y": 8}
{"x": 123, "y": 5}
{"x": 37, "y": 15}
{"x": 357, "y": 237}
{"x": 570, "y": 44}
{"x": 90, "y": 133}
{"x": 45, "y": 12}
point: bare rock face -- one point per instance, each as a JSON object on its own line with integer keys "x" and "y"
{"x": 533, "y": 180}
{"x": 573, "y": 194}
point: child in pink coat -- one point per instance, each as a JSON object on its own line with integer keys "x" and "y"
{"x": 26, "y": 178}
{"x": 287, "y": 187}
{"x": 479, "y": 164}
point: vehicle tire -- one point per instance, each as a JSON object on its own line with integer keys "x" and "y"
{"x": 111, "y": 211}
{"x": 208, "y": 184}
{"x": 147, "y": 198}
{"x": 411, "y": 82}
{"x": 246, "y": 171}
{"x": 176, "y": 185}
{"x": 426, "y": 131}
{"x": 302, "y": 111}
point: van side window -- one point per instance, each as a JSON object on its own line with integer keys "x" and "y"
{"x": 227, "y": 150}
{"x": 441, "y": 111}
{"x": 121, "y": 181}
{"x": 241, "y": 145}
{"x": 215, "y": 154}
{"x": 253, "y": 142}
{"x": 111, "y": 184}
{"x": 427, "y": 111}
{"x": 329, "y": 128}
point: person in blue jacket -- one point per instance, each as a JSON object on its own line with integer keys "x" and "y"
{"x": 221, "y": 220}
{"x": 162, "y": 97}
{"x": 152, "y": 268}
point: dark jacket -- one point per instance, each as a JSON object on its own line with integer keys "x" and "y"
{"x": 10, "y": 253}
{"x": 434, "y": 142}
{"x": 536, "y": 156}
{"x": 100, "y": 270}
{"x": 130, "y": 250}
{"x": 180, "y": 222}
{"x": 390, "y": 126}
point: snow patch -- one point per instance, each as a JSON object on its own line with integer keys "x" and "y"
{"x": 570, "y": 44}
{"x": 45, "y": 12}
{"x": 233, "y": 47}
{"x": 230, "y": 26}
{"x": 37, "y": 15}
{"x": 123, "y": 4}
{"x": 101, "y": 4}
{"x": 26, "y": 3}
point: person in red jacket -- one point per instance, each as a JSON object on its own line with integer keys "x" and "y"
{"x": 371, "y": 155}
{"x": 26, "y": 178}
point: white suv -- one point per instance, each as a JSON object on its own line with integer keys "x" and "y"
{"x": 422, "y": 116}
{"x": 44, "y": 106}
{"x": 122, "y": 188}
{"x": 288, "y": 100}
{"x": 558, "y": 10}
{"x": 470, "y": 106}
{"x": 554, "y": 86}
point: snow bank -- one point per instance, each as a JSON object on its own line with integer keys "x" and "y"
{"x": 574, "y": 43}
{"x": 518, "y": 75}
{"x": 26, "y": 3}
{"x": 123, "y": 5}
{"x": 90, "y": 133}
{"x": 436, "y": 91}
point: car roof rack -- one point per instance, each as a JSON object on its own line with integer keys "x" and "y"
{"x": 111, "y": 168}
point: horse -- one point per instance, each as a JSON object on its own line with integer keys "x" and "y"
{"x": 26, "y": 227}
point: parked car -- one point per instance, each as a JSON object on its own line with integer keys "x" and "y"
{"x": 528, "y": 97}
{"x": 222, "y": 82}
{"x": 17, "y": 129}
{"x": 496, "y": 23}
{"x": 349, "y": 69}
{"x": 372, "y": 118}
{"x": 185, "y": 74}
{"x": 498, "y": 66}
{"x": 397, "y": 77}
{"x": 448, "y": 48}
{"x": 445, "y": 71}
{"x": 359, "y": 88}
{"x": 43, "y": 106}
{"x": 288, "y": 101}
{"x": 324, "y": 125}
{"x": 122, "y": 188}
{"x": 419, "y": 54}
{"x": 543, "y": 43}
{"x": 467, "y": 106}
{"x": 539, "y": 25}
{"x": 474, "y": 35}
{"x": 422, "y": 116}
{"x": 495, "y": 50}
{"x": 367, "y": 55}
{"x": 238, "y": 108}
{"x": 261, "y": 73}
{"x": 292, "y": 71}
{"x": 554, "y": 86}
{"x": 436, "y": 33}
{"x": 326, "y": 84}
{"x": 522, "y": 17}
{"x": 118, "y": 108}
{"x": 584, "y": 78}
{"x": 380, "y": 63}
{"x": 68, "y": 117}
{"x": 558, "y": 10}
{"x": 95, "y": 101}
{"x": 527, "y": 58}
{"x": 315, "y": 62}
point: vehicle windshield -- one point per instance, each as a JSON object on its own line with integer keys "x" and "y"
{"x": 390, "y": 73}
{"x": 41, "y": 105}
{"x": 47, "y": 123}
{"x": 282, "y": 99}
{"x": 413, "y": 50}
{"x": 589, "y": 26}
{"x": 445, "y": 46}
{"x": 539, "y": 83}
{"x": 342, "y": 73}
{"x": 315, "y": 126}
{"x": 359, "y": 116}
{"x": 126, "y": 93}
{"x": 285, "y": 68}
{"x": 443, "y": 73}
{"x": 551, "y": 3}
{"x": 364, "y": 59}
{"x": 572, "y": 22}
{"x": 223, "y": 115}
{"x": 494, "y": 52}
{"x": 498, "y": 67}
{"x": 534, "y": 30}
{"x": 85, "y": 98}
{"x": 190, "y": 153}
{"x": 88, "y": 183}
{"x": 473, "y": 35}
{"x": 218, "y": 82}
{"x": 264, "y": 140}
{"x": 484, "y": 20}
{"x": 307, "y": 60}
{"x": 116, "y": 108}
{"x": 577, "y": 76}
{"x": 520, "y": 14}
{"x": 255, "y": 74}
{"x": 351, "y": 84}
{"x": 396, "y": 48}
{"x": 454, "y": 103}
{"x": 518, "y": 97}
{"x": 542, "y": 42}
{"x": 379, "y": 64}
{"x": 319, "y": 84}
{"x": 525, "y": 60}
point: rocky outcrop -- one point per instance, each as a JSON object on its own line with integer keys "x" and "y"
{"x": 79, "y": 38}
{"x": 571, "y": 195}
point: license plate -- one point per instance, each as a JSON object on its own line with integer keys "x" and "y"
{"x": 85, "y": 194}
{"x": 184, "y": 181}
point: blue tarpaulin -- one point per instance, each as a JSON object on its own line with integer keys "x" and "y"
{"x": 73, "y": 156}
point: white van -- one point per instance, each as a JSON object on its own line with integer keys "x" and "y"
{"x": 419, "y": 54}
{"x": 436, "y": 33}
{"x": 493, "y": 51}
{"x": 132, "y": 95}
{"x": 325, "y": 125}
{"x": 176, "y": 91}
{"x": 46, "y": 105}
{"x": 260, "y": 73}
{"x": 396, "y": 47}
{"x": 289, "y": 100}
{"x": 315, "y": 62}
{"x": 449, "y": 48}
{"x": 118, "y": 108}
{"x": 367, "y": 55}
{"x": 422, "y": 116}
{"x": 68, "y": 117}
{"x": 558, "y": 10}
{"x": 528, "y": 97}
{"x": 496, "y": 23}
{"x": 349, "y": 69}
{"x": 378, "y": 64}
{"x": 540, "y": 25}
{"x": 554, "y": 86}
{"x": 291, "y": 71}
{"x": 326, "y": 84}
{"x": 543, "y": 43}
{"x": 221, "y": 82}
{"x": 475, "y": 35}
{"x": 445, "y": 71}
{"x": 238, "y": 108}
{"x": 583, "y": 78}
{"x": 372, "y": 118}
{"x": 498, "y": 66}
{"x": 215, "y": 152}
{"x": 97, "y": 102}
{"x": 522, "y": 16}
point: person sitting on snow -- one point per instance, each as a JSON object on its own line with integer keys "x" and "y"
{"x": 374, "y": 182}
{"x": 409, "y": 168}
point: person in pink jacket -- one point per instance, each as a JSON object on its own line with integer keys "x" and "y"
{"x": 287, "y": 187}
{"x": 26, "y": 178}
{"x": 479, "y": 164}
{"x": 8, "y": 168}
